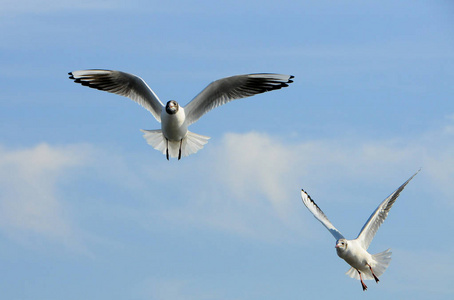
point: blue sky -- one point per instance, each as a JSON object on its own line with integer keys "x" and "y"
{"x": 89, "y": 211}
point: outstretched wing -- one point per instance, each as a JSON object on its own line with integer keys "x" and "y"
{"x": 123, "y": 84}
{"x": 319, "y": 215}
{"x": 377, "y": 218}
{"x": 227, "y": 89}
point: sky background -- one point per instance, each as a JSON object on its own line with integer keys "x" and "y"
{"x": 88, "y": 210}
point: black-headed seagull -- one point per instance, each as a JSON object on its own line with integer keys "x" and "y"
{"x": 174, "y": 139}
{"x": 354, "y": 252}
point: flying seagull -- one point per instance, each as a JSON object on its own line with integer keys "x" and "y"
{"x": 354, "y": 252}
{"x": 174, "y": 139}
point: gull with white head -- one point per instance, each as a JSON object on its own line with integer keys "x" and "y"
{"x": 354, "y": 252}
{"x": 174, "y": 139}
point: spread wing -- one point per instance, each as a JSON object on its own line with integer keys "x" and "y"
{"x": 123, "y": 84}
{"x": 319, "y": 215}
{"x": 227, "y": 89}
{"x": 377, "y": 218}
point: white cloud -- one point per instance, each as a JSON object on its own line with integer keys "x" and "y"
{"x": 255, "y": 163}
{"x": 254, "y": 179}
{"x": 30, "y": 206}
{"x": 247, "y": 184}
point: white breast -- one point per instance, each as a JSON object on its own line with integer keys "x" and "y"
{"x": 174, "y": 126}
{"x": 355, "y": 255}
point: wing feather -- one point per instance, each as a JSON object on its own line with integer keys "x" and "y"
{"x": 377, "y": 218}
{"x": 319, "y": 215}
{"x": 123, "y": 84}
{"x": 227, "y": 89}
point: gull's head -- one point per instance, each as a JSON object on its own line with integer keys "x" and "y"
{"x": 341, "y": 245}
{"x": 172, "y": 107}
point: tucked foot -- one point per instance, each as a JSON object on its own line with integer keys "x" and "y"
{"x": 179, "y": 151}
{"x": 364, "y": 285}
{"x": 362, "y": 282}
{"x": 375, "y": 277}
{"x": 167, "y": 150}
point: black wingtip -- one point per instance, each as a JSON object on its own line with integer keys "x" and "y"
{"x": 308, "y": 196}
{"x": 310, "y": 199}
{"x": 305, "y": 192}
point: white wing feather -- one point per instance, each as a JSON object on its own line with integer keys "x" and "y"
{"x": 123, "y": 84}
{"x": 227, "y": 89}
{"x": 319, "y": 215}
{"x": 377, "y": 218}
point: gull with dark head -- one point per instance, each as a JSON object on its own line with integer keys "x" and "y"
{"x": 174, "y": 139}
{"x": 363, "y": 264}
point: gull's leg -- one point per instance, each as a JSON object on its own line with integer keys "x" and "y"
{"x": 362, "y": 282}
{"x": 167, "y": 150}
{"x": 179, "y": 152}
{"x": 375, "y": 277}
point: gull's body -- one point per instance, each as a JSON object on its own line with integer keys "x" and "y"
{"x": 174, "y": 126}
{"x": 174, "y": 139}
{"x": 363, "y": 264}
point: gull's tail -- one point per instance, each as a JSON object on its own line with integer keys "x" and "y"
{"x": 379, "y": 265}
{"x": 190, "y": 144}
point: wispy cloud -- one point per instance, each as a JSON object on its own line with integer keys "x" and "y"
{"x": 254, "y": 178}
{"x": 247, "y": 184}
{"x": 30, "y": 200}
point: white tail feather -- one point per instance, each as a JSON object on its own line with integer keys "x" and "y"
{"x": 352, "y": 273}
{"x": 191, "y": 143}
{"x": 155, "y": 139}
{"x": 382, "y": 261}
{"x": 379, "y": 265}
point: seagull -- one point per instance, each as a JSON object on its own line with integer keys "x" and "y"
{"x": 174, "y": 139}
{"x": 363, "y": 264}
